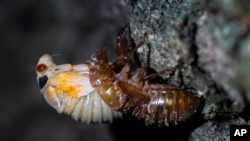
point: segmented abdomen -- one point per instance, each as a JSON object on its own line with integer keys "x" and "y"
{"x": 167, "y": 105}
{"x": 88, "y": 109}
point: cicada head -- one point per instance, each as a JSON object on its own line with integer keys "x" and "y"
{"x": 43, "y": 70}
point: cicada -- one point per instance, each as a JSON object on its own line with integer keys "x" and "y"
{"x": 100, "y": 91}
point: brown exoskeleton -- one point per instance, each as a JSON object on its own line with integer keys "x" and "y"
{"x": 101, "y": 90}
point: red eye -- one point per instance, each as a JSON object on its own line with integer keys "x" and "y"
{"x": 41, "y": 67}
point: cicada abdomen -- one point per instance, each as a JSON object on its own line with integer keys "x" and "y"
{"x": 88, "y": 109}
{"x": 167, "y": 105}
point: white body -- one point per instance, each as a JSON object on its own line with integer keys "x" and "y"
{"x": 69, "y": 91}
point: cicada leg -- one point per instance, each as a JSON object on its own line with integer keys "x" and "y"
{"x": 124, "y": 49}
{"x": 100, "y": 57}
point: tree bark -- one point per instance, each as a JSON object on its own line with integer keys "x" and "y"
{"x": 207, "y": 44}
